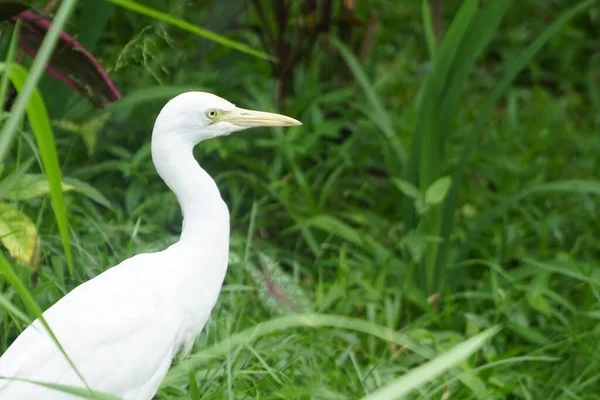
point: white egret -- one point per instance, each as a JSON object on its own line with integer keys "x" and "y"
{"x": 122, "y": 328}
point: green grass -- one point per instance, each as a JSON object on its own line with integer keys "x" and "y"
{"x": 392, "y": 302}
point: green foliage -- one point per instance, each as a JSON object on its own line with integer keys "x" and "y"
{"x": 439, "y": 188}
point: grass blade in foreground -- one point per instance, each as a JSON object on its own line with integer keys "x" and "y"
{"x": 160, "y": 16}
{"x": 432, "y": 369}
{"x": 274, "y": 325}
{"x": 42, "y": 130}
{"x": 30, "y": 100}
{"x": 77, "y": 391}
{"x": 37, "y": 69}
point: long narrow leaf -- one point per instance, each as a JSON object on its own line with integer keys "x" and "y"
{"x": 160, "y": 16}
{"x": 77, "y": 391}
{"x": 432, "y": 369}
{"x": 378, "y": 113}
{"x": 30, "y": 100}
{"x": 521, "y": 62}
{"x": 37, "y": 69}
{"x": 219, "y": 349}
{"x": 570, "y": 186}
{"x": 42, "y": 130}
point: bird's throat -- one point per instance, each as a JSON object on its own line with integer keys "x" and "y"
{"x": 204, "y": 212}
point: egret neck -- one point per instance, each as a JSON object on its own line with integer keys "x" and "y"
{"x": 201, "y": 204}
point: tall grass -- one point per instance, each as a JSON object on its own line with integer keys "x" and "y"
{"x": 306, "y": 199}
{"x": 470, "y": 32}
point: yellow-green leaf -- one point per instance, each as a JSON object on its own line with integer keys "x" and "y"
{"x": 19, "y": 235}
{"x": 34, "y": 185}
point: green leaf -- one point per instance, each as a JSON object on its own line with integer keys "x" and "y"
{"x": 89, "y": 130}
{"x": 19, "y": 235}
{"x": 87, "y": 190}
{"x": 530, "y": 334}
{"x": 219, "y": 349}
{"x": 416, "y": 377}
{"x": 428, "y": 28}
{"x": 42, "y": 130}
{"x": 512, "y": 71}
{"x": 335, "y": 227}
{"x": 416, "y": 243}
{"x": 394, "y": 152}
{"x": 77, "y": 391}
{"x": 179, "y": 23}
{"x": 407, "y": 188}
{"x": 35, "y": 185}
{"x": 11, "y": 308}
{"x": 548, "y": 188}
{"x": 436, "y": 193}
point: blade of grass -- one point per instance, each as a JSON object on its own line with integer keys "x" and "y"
{"x": 42, "y": 130}
{"x": 274, "y": 325}
{"x": 10, "y": 56}
{"x": 186, "y": 26}
{"x": 428, "y": 28}
{"x": 37, "y": 69}
{"x": 474, "y": 41}
{"x": 39, "y": 121}
{"x": 379, "y": 115}
{"x": 425, "y": 163}
{"x": 74, "y": 390}
{"x": 10, "y": 307}
{"x": 421, "y": 163}
{"x": 432, "y": 369}
{"x": 569, "y": 186}
{"x": 521, "y": 62}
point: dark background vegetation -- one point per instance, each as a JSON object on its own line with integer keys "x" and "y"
{"x": 333, "y": 202}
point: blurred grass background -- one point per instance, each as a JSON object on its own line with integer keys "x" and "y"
{"x": 444, "y": 181}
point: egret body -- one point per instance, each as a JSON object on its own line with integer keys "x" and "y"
{"x": 122, "y": 328}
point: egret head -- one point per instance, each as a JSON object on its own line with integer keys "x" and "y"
{"x": 196, "y": 116}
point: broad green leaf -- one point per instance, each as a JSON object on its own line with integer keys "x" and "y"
{"x": 416, "y": 243}
{"x": 35, "y": 185}
{"x": 429, "y": 371}
{"x": 407, "y": 188}
{"x": 336, "y": 227}
{"x": 438, "y": 190}
{"x": 19, "y": 235}
{"x": 88, "y": 130}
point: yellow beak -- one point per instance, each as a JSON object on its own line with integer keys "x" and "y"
{"x": 249, "y": 118}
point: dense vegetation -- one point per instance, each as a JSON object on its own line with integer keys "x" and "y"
{"x": 444, "y": 183}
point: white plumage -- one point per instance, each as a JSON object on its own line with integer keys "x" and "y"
{"x": 123, "y": 328}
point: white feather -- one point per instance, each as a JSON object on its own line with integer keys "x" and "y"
{"x": 123, "y": 328}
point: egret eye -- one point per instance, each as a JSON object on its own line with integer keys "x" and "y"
{"x": 211, "y": 114}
